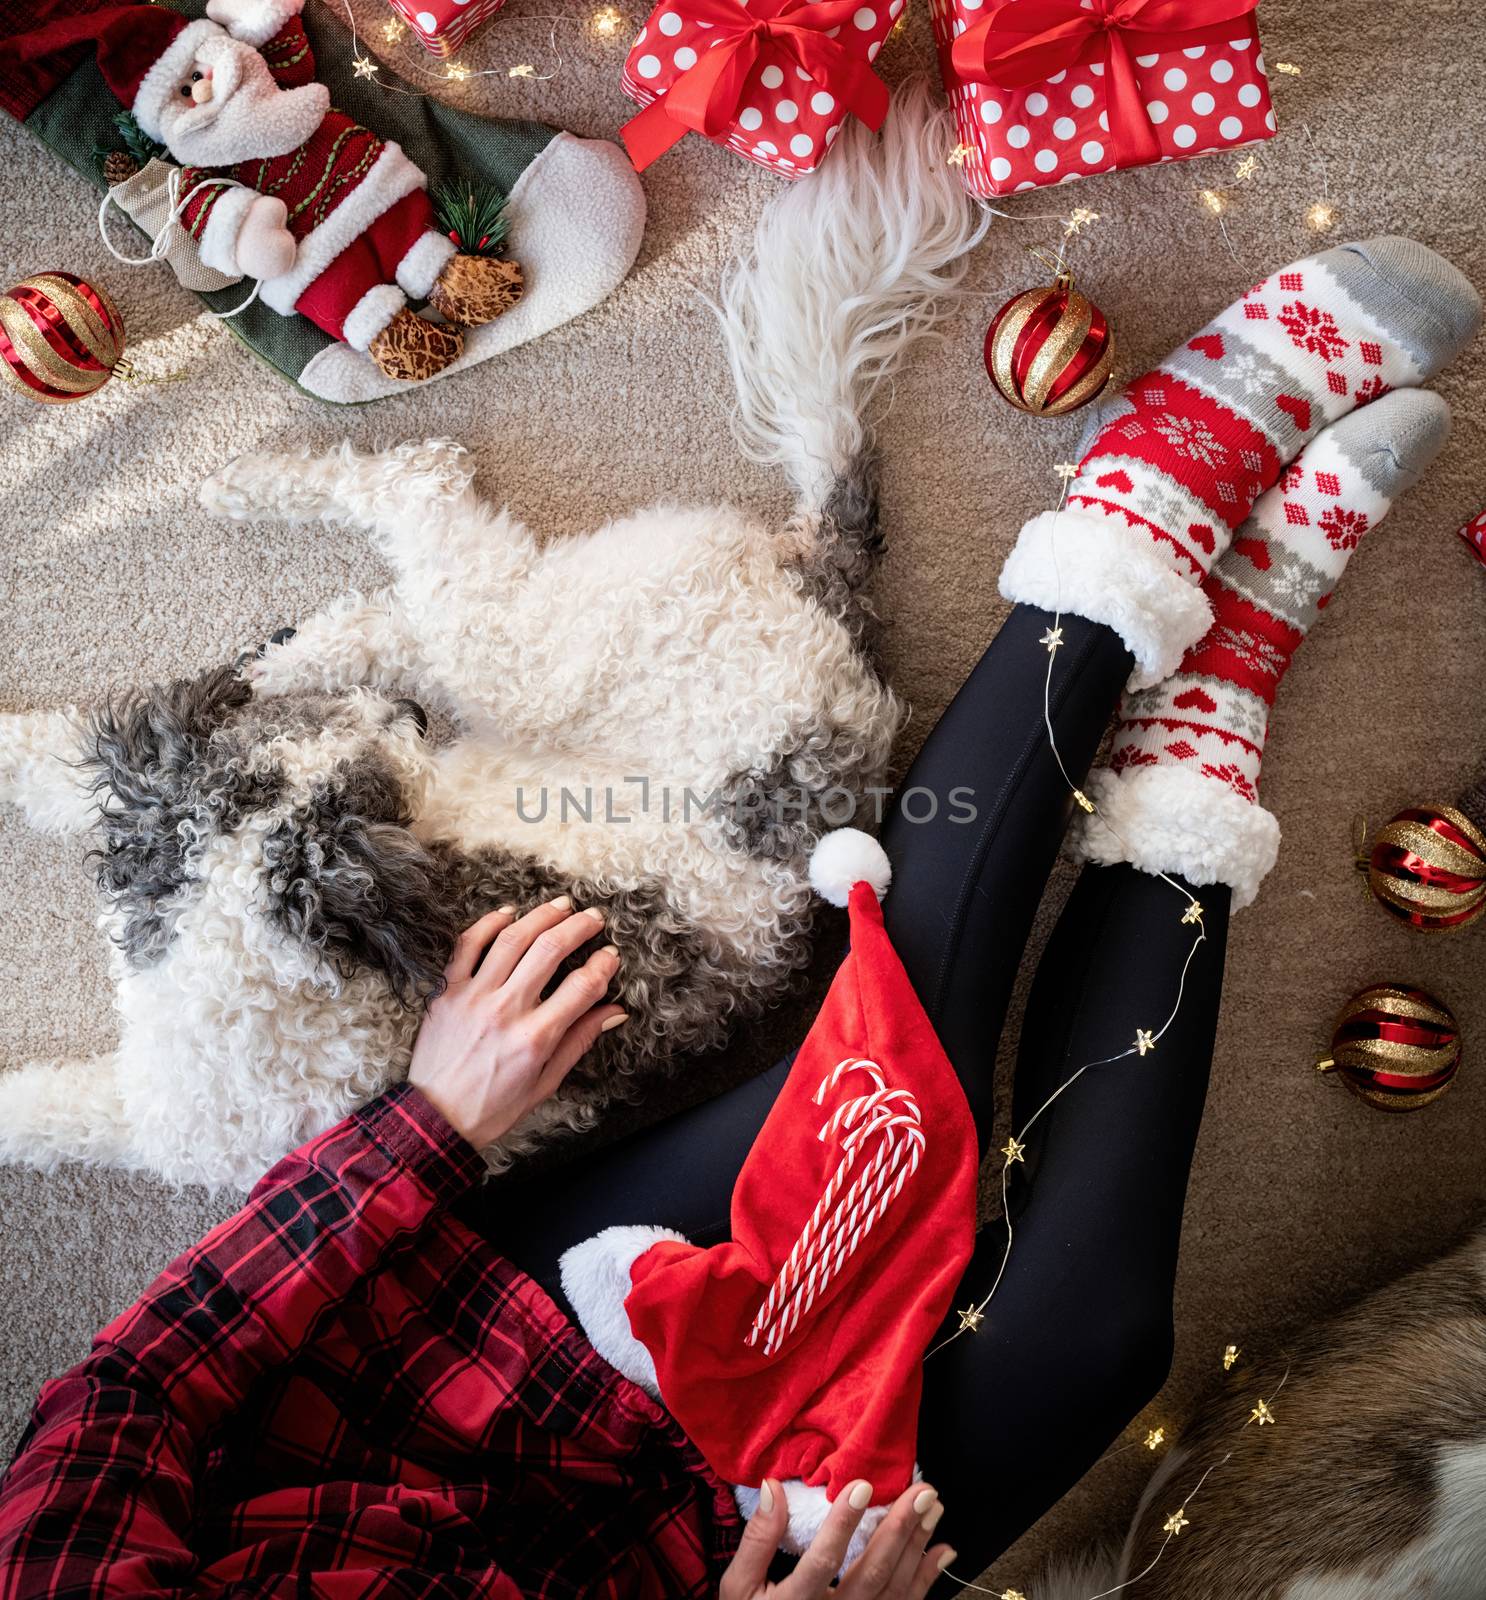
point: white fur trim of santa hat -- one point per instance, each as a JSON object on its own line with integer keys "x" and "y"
{"x": 1166, "y": 819}
{"x": 1099, "y": 567}
{"x": 596, "y": 1281}
{"x": 809, "y": 1506}
{"x": 843, "y": 859}
{"x": 163, "y": 81}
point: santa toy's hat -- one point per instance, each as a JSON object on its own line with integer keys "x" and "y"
{"x": 795, "y": 1350}
{"x": 144, "y": 52}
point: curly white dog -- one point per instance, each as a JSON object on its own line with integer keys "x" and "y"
{"x": 658, "y": 718}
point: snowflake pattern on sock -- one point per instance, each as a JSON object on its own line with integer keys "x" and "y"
{"x": 1266, "y": 591}
{"x": 1191, "y": 446}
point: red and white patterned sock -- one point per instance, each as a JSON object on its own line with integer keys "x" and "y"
{"x": 1177, "y": 463}
{"x": 1181, "y": 791}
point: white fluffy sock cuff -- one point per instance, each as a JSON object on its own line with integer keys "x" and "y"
{"x": 1167, "y": 819}
{"x": 419, "y": 269}
{"x": 1101, "y": 568}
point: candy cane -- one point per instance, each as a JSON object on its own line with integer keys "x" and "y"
{"x": 842, "y": 1220}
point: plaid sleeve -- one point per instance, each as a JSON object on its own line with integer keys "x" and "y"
{"x": 99, "y": 1498}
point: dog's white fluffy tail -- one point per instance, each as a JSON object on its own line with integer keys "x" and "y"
{"x": 845, "y": 271}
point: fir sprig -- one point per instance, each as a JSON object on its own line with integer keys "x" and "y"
{"x": 136, "y": 141}
{"x": 473, "y": 215}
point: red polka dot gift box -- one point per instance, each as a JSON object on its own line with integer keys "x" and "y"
{"x": 441, "y": 26}
{"x": 1048, "y": 91}
{"x": 771, "y": 80}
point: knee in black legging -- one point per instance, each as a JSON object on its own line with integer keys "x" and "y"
{"x": 1125, "y": 1360}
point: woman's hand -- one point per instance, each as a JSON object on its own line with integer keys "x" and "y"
{"x": 491, "y": 1047}
{"x": 898, "y": 1563}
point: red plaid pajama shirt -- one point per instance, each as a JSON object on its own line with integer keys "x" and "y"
{"x": 343, "y": 1391}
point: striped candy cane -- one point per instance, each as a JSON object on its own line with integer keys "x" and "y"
{"x": 885, "y": 1120}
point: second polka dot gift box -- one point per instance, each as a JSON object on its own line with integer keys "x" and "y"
{"x": 441, "y": 26}
{"x": 772, "y": 80}
{"x": 1047, "y": 91}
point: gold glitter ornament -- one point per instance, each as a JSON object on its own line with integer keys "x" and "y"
{"x": 1049, "y": 351}
{"x": 1427, "y": 867}
{"x": 1395, "y": 1047}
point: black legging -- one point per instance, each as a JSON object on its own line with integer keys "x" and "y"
{"x": 1079, "y": 1335}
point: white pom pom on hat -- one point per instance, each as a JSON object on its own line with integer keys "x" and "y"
{"x": 845, "y": 858}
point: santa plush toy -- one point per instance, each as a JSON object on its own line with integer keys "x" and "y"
{"x": 795, "y": 1350}
{"x": 335, "y": 223}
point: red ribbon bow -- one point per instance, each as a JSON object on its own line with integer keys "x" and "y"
{"x": 1023, "y": 42}
{"x": 706, "y": 98}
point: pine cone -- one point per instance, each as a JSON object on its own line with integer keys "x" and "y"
{"x": 411, "y": 347}
{"x": 473, "y": 290}
{"x": 118, "y": 167}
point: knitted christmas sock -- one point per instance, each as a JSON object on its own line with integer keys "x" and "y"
{"x": 1176, "y": 464}
{"x": 1180, "y": 794}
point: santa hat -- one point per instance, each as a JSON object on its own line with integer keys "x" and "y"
{"x": 795, "y": 1350}
{"x": 144, "y": 52}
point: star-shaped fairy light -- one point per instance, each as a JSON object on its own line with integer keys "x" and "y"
{"x": 1230, "y": 1357}
{"x": 1078, "y": 219}
{"x": 364, "y": 67}
{"x": 1288, "y": 68}
{"x": 1174, "y": 1524}
{"x": 1053, "y": 639}
{"x": 1246, "y": 168}
{"x": 525, "y": 70}
{"x": 971, "y": 1318}
{"x": 1155, "y": 1438}
{"x": 1083, "y": 802}
{"x": 1193, "y": 912}
{"x": 1013, "y": 1151}
{"x": 1145, "y": 1040}
{"x": 607, "y": 21}
{"x": 1012, "y": 1594}
{"x": 1262, "y": 1414}
{"x": 456, "y": 72}
{"x": 393, "y": 30}
{"x": 1067, "y": 470}
{"x": 957, "y": 156}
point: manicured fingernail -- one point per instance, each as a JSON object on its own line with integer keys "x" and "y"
{"x": 561, "y": 903}
{"x": 860, "y": 1497}
{"x": 931, "y": 1521}
{"x": 505, "y": 911}
{"x": 947, "y": 1557}
{"x": 766, "y": 1494}
{"x": 615, "y": 1022}
{"x": 924, "y": 1500}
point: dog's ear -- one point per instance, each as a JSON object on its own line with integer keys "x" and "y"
{"x": 362, "y": 894}
{"x": 163, "y": 792}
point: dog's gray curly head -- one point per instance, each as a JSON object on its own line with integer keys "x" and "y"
{"x": 314, "y": 793}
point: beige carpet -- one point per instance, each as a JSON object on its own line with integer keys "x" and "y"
{"x": 1301, "y": 1196}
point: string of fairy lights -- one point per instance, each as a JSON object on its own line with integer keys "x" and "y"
{"x": 1321, "y": 215}
{"x": 1146, "y": 1041}
{"x": 604, "y": 22}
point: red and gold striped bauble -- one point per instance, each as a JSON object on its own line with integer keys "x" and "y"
{"x": 1395, "y": 1047}
{"x": 60, "y": 338}
{"x": 1049, "y": 351}
{"x": 1428, "y": 868}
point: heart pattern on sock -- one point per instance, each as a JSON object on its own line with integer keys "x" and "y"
{"x": 1299, "y": 411}
{"x": 1195, "y": 699}
{"x": 1210, "y": 345}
